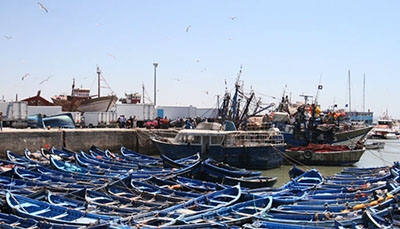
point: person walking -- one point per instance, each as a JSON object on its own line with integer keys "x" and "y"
{"x": 1, "y": 121}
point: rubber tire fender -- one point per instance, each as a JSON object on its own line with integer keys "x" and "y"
{"x": 307, "y": 154}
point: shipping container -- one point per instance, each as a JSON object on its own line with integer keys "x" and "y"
{"x": 14, "y": 114}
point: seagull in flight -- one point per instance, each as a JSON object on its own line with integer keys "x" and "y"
{"x": 8, "y": 37}
{"x": 187, "y": 28}
{"x": 47, "y": 79}
{"x": 42, "y": 7}
{"x": 233, "y": 18}
{"x": 26, "y": 75}
{"x": 111, "y": 55}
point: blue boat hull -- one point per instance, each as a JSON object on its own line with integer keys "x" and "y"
{"x": 264, "y": 157}
{"x": 251, "y": 157}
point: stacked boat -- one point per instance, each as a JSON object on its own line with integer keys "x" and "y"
{"x": 97, "y": 188}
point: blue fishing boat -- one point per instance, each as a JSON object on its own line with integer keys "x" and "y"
{"x": 199, "y": 205}
{"x": 110, "y": 162}
{"x": 236, "y": 214}
{"x": 63, "y": 154}
{"x": 225, "y": 174}
{"x": 178, "y": 163}
{"x": 13, "y": 221}
{"x": 319, "y": 219}
{"x": 213, "y": 166}
{"x": 43, "y": 211}
{"x": 133, "y": 155}
{"x": 37, "y": 157}
{"x": 168, "y": 192}
{"x": 19, "y": 186}
{"x": 372, "y": 220}
{"x": 126, "y": 156}
{"x": 95, "y": 163}
{"x": 186, "y": 184}
{"x": 310, "y": 179}
{"x": 243, "y": 149}
{"x": 18, "y": 159}
{"x": 154, "y": 200}
{"x": 52, "y": 180}
{"x": 102, "y": 198}
{"x": 82, "y": 205}
{"x": 267, "y": 224}
{"x": 90, "y": 172}
{"x": 79, "y": 178}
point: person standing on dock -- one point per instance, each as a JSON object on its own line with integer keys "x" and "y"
{"x": 1, "y": 121}
{"x": 122, "y": 121}
{"x": 134, "y": 121}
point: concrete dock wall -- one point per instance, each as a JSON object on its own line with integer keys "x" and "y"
{"x": 108, "y": 138}
{"x": 137, "y": 139}
{"x": 17, "y": 140}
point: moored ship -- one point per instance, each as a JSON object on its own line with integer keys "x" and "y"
{"x": 81, "y": 100}
{"x": 223, "y": 143}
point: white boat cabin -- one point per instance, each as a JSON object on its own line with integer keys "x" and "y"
{"x": 214, "y": 134}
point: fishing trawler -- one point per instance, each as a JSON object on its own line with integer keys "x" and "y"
{"x": 224, "y": 143}
{"x": 81, "y": 100}
{"x": 386, "y": 129}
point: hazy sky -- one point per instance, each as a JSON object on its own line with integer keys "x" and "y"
{"x": 282, "y": 46}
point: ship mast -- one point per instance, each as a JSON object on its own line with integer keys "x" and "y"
{"x": 349, "y": 93}
{"x": 363, "y": 94}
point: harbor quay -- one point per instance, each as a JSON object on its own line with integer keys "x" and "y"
{"x": 138, "y": 139}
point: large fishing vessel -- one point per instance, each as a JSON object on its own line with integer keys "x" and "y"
{"x": 223, "y": 143}
{"x": 81, "y": 100}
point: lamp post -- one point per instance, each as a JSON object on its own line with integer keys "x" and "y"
{"x": 155, "y": 83}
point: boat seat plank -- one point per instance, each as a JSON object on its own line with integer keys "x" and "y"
{"x": 60, "y": 216}
{"x": 120, "y": 194}
{"x": 227, "y": 196}
{"x": 26, "y": 205}
{"x": 206, "y": 206}
{"x": 41, "y": 211}
{"x": 185, "y": 211}
{"x": 243, "y": 214}
{"x": 95, "y": 199}
{"x": 256, "y": 209}
{"x": 217, "y": 202}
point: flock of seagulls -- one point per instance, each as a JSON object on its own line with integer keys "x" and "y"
{"x": 43, "y": 7}
{"x": 28, "y": 74}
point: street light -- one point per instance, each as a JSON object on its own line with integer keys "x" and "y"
{"x": 155, "y": 83}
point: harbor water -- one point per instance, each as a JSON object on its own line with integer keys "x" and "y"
{"x": 371, "y": 158}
